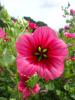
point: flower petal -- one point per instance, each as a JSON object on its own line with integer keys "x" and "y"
{"x": 58, "y": 48}
{"x": 21, "y": 86}
{"x": 24, "y": 67}
{"x": 52, "y": 70}
{"x": 25, "y": 45}
{"x": 43, "y": 36}
{"x": 36, "y": 89}
{"x": 23, "y": 89}
{"x": 43, "y": 72}
{"x": 26, "y": 93}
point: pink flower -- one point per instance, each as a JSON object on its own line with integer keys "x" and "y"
{"x": 73, "y": 35}
{"x": 69, "y": 35}
{"x": 66, "y": 27}
{"x": 23, "y": 89}
{"x": 72, "y": 12}
{"x": 36, "y": 89}
{"x": 7, "y": 39}
{"x": 42, "y": 53}
{"x": 2, "y": 33}
{"x": 26, "y": 92}
{"x": 32, "y": 25}
{"x": 73, "y": 58}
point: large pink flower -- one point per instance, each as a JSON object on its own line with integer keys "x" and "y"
{"x": 41, "y": 52}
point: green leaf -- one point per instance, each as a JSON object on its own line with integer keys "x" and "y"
{"x": 50, "y": 86}
{"x": 2, "y": 98}
{"x": 73, "y": 95}
{"x": 7, "y": 58}
{"x": 32, "y": 81}
{"x": 12, "y": 99}
{"x": 66, "y": 87}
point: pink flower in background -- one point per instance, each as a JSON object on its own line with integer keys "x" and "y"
{"x": 2, "y": 33}
{"x": 66, "y": 27}
{"x": 23, "y": 89}
{"x": 36, "y": 89}
{"x": 72, "y": 12}
{"x": 41, "y": 52}
{"x": 7, "y": 39}
{"x": 69, "y": 35}
{"x": 32, "y": 25}
{"x": 26, "y": 92}
{"x": 73, "y": 58}
{"x": 73, "y": 35}
{"x": 4, "y": 36}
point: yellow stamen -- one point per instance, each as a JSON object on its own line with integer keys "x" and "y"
{"x": 39, "y": 49}
{"x": 44, "y": 55}
{"x": 44, "y": 50}
{"x": 36, "y": 53}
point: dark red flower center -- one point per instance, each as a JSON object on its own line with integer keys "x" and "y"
{"x": 41, "y": 53}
